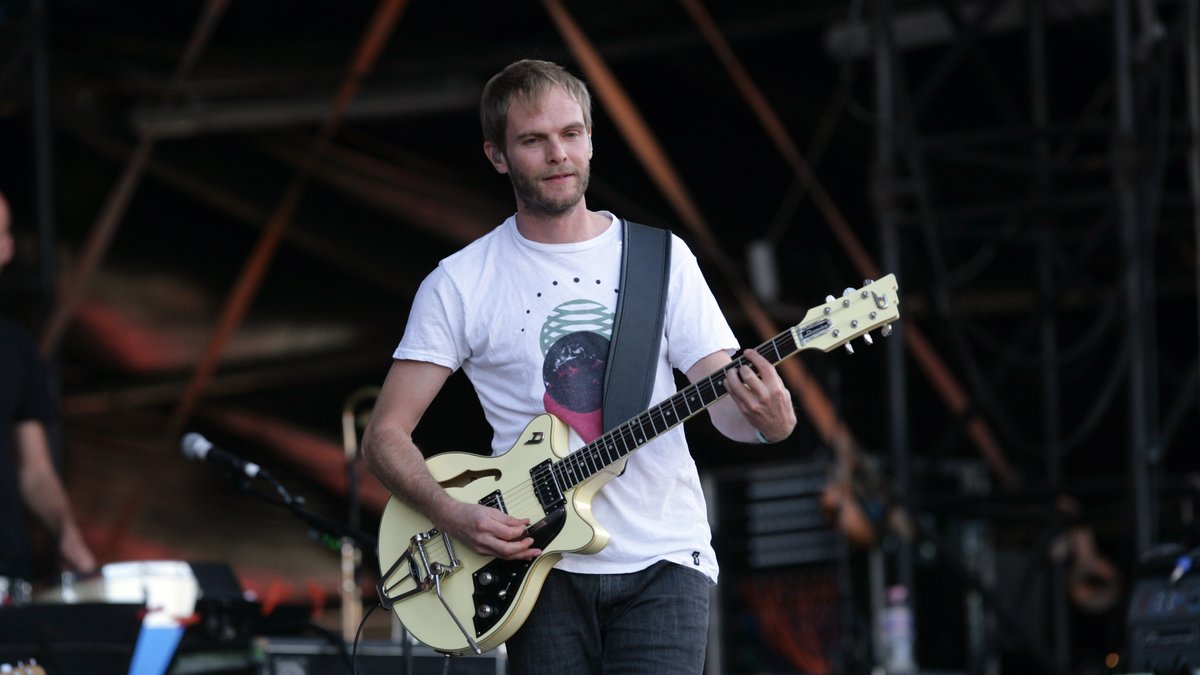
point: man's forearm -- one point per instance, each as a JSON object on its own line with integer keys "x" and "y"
{"x": 47, "y": 500}
{"x": 399, "y": 464}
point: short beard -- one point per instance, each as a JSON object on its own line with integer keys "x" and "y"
{"x": 528, "y": 193}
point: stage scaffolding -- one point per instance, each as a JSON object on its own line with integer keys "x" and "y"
{"x": 1079, "y": 175}
{"x": 1086, "y": 189}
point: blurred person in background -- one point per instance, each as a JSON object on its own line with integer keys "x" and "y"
{"x": 28, "y": 478}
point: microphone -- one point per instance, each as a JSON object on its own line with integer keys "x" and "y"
{"x": 199, "y": 448}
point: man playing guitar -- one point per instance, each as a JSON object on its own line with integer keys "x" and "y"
{"x": 526, "y": 311}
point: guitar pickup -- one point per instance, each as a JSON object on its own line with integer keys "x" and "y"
{"x": 545, "y": 484}
{"x": 495, "y": 500}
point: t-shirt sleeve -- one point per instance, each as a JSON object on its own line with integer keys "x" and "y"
{"x": 695, "y": 324}
{"x": 435, "y": 330}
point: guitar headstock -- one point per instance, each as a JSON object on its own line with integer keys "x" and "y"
{"x": 855, "y": 314}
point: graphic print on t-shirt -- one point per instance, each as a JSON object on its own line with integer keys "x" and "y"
{"x": 574, "y": 341}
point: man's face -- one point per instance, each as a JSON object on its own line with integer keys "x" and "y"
{"x": 549, "y": 154}
{"x": 6, "y": 240}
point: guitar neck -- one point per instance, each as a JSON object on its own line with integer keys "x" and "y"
{"x": 824, "y": 327}
{"x": 622, "y": 440}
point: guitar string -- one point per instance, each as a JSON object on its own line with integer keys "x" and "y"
{"x": 621, "y": 441}
{"x": 664, "y": 416}
{"x": 631, "y": 435}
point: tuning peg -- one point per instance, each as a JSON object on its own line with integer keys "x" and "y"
{"x": 886, "y": 330}
{"x": 868, "y": 339}
{"x": 830, "y": 298}
{"x": 848, "y": 292}
{"x": 849, "y": 348}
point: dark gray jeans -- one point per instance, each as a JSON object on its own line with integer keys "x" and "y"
{"x": 654, "y": 621}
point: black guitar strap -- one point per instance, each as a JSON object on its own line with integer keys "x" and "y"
{"x": 637, "y": 329}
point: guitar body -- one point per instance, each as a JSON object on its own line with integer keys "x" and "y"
{"x": 513, "y": 586}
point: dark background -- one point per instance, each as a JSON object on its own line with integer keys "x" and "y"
{"x": 982, "y": 198}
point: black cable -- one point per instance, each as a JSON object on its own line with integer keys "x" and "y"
{"x": 358, "y": 636}
{"x": 1073, "y": 276}
{"x": 1008, "y": 354}
{"x": 1183, "y": 403}
{"x": 1100, "y": 405}
{"x": 942, "y": 304}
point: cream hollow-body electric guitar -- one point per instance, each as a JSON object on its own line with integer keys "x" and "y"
{"x": 454, "y": 599}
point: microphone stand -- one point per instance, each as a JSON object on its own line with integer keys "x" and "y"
{"x": 298, "y": 506}
{"x": 355, "y": 413}
{"x": 329, "y": 528}
{"x": 329, "y": 531}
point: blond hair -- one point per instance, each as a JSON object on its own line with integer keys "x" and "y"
{"x": 527, "y": 81}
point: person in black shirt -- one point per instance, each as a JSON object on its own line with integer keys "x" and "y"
{"x": 28, "y": 479}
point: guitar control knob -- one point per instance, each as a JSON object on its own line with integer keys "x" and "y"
{"x": 485, "y": 611}
{"x": 486, "y": 578}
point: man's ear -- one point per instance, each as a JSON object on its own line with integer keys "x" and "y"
{"x": 496, "y": 156}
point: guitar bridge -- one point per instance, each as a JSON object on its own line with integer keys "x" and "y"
{"x": 417, "y": 567}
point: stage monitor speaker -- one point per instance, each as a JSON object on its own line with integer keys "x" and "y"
{"x": 305, "y": 656}
{"x": 93, "y": 638}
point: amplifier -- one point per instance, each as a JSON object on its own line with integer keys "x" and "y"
{"x": 769, "y": 516}
{"x": 1164, "y": 625}
{"x": 307, "y": 656}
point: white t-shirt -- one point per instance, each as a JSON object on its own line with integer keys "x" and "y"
{"x": 529, "y": 324}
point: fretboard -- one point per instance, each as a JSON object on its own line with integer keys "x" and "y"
{"x": 618, "y": 442}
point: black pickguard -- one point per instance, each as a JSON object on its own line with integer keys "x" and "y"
{"x": 496, "y": 583}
